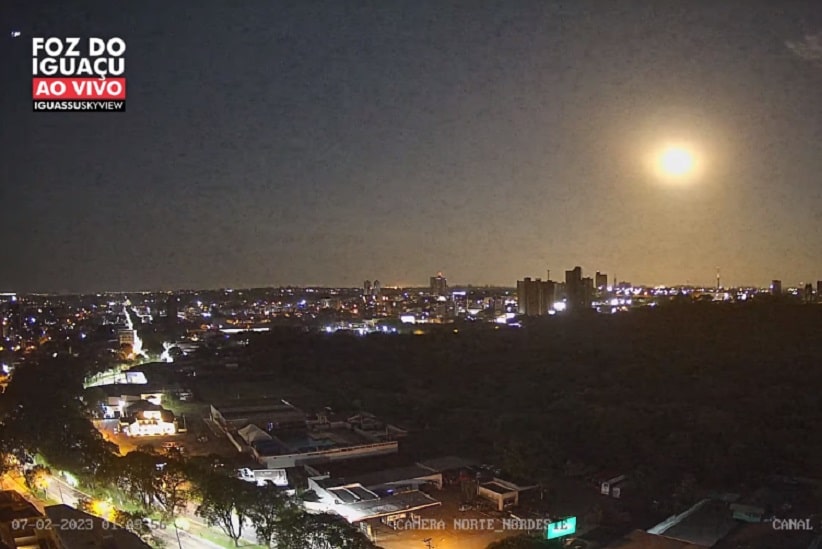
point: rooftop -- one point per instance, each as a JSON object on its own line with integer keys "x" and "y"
{"x": 497, "y": 487}
{"x": 359, "y": 466}
{"x": 704, "y": 524}
{"x": 244, "y": 405}
{"x": 14, "y": 506}
{"x": 447, "y": 463}
{"x": 397, "y": 503}
{"x": 379, "y": 478}
{"x": 97, "y": 537}
{"x": 639, "y": 539}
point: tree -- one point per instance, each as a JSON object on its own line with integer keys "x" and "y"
{"x": 41, "y": 412}
{"x": 10, "y": 449}
{"x": 264, "y": 511}
{"x": 290, "y": 528}
{"x": 296, "y": 529}
{"x": 137, "y": 474}
{"x": 36, "y": 477}
{"x": 136, "y": 523}
{"x": 327, "y": 531}
{"x": 171, "y": 488}
{"x": 225, "y": 503}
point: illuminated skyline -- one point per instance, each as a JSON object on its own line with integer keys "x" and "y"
{"x": 327, "y": 143}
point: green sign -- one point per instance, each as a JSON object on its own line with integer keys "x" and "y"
{"x": 561, "y": 528}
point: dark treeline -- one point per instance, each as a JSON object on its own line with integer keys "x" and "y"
{"x": 717, "y": 394}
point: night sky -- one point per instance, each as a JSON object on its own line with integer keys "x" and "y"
{"x": 306, "y": 143}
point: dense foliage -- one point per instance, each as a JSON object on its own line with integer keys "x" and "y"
{"x": 721, "y": 394}
{"x": 41, "y": 412}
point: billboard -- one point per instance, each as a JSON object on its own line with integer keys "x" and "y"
{"x": 561, "y": 528}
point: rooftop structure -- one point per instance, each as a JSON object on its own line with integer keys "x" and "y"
{"x": 99, "y": 534}
{"x": 356, "y": 503}
{"x": 703, "y": 525}
{"x": 280, "y": 435}
{"x": 21, "y": 524}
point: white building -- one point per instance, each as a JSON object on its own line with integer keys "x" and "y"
{"x": 149, "y": 419}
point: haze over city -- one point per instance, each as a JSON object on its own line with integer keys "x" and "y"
{"x": 531, "y": 274}
{"x": 320, "y": 144}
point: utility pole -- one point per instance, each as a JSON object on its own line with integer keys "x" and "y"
{"x": 177, "y": 531}
{"x": 60, "y": 491}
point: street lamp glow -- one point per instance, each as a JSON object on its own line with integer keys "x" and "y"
{"x": 102, "y": 509}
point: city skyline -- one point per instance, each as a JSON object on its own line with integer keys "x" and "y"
{"x": 320, "y": 144}
{"x": 712, "y": 284}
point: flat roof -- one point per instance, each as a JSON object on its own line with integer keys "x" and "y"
{"x": 704, "y": 524}
{"x": 361, "y": 465}
{"x": 132, "y": 389}
{"x": 447, "y": 463}
{"x": 264, "y": 414}
{"x": 639, "y": 539}
{"x": 497, "y": 488}
{"x": 97, "y": 537}
{"x": 391, "y": 505}
{"x": 254, "y": 404}
{"x": 378, "y": 478}
{"x": 14, "y": 506}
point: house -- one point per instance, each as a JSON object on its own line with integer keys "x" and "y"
{"x": 502, "y": 493}
{"x": 148, "y": 419}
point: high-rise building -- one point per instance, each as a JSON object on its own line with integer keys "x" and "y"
{"x": 376, "y": 289}
{"x": 576, "y": 292}
{"x": 601, "y": 281}
{"x": 776, "y": 287}
{"x": 535, "y": 297}
{"x": 587, "y": 292}
{"x": 366, "y": 288}
{"x": 807, "y": 294}
{"x": 439, "y": 285}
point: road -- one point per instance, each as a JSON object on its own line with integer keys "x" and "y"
{"x": 57, "y": 490}
{"x": 196, "y": 533}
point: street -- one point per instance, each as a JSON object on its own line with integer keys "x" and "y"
{"x": 59, "y": 491}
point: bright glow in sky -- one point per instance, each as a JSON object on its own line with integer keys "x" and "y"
{"x": 329, "y": 143}
{"x": 677, "y": 161}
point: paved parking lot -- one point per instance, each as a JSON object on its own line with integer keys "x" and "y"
{"x": 456, "y": 532}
